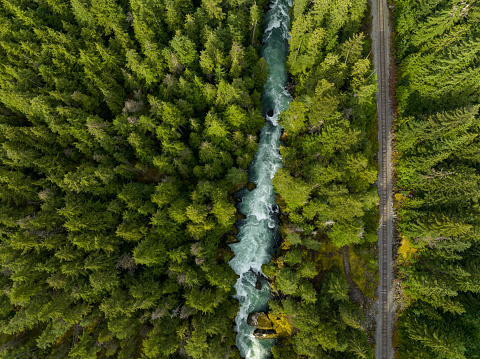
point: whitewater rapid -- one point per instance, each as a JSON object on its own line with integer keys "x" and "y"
{"x": 258, "y": 232}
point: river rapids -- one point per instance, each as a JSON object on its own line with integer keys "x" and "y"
{"x": 259, "y": 231}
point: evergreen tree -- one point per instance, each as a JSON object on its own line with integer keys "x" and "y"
{"x": 126, "y": 128}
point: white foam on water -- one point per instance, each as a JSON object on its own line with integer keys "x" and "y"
{"x": 259, "y": 230}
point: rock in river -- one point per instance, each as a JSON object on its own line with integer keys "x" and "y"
{"x": 260, "y": 320}
{"x": 239, "y": 215}
{"x": 264, "y": 334}
{"x": 258, "y": 283}
{"x": 230, "y": 239}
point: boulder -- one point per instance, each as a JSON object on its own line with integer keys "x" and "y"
{"x": 264, "y": 334}
{"x": 258, "y": 283}
{"x": 260, "y": 320}
{"x": 268, "y": 326}
{"x": 230, "y": 239}
{"x": 251, "y": 186}
{"x": 239, "y": 215}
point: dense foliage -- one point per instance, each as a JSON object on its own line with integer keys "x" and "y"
{"x": 325, "y": 186}
{"x": 125, "y": 127}
{"x": 438, "y": 147}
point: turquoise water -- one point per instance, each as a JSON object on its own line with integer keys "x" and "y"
{"x": 258, "y": 232}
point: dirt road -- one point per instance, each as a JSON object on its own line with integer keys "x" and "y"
{"x": 381, "y": 52}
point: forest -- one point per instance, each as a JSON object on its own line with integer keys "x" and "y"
{"x": 438, "y": 168}
{"x": 325, "y": 188}
{"x": 125, "y": 129}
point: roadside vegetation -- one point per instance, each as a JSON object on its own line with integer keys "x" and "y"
{"x": 325, "y": 187}
{"x": 125, "y": 129}
{"x": 438, "y": 167}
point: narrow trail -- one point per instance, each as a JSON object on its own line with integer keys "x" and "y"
{"x": 354, "y": 292}
{"x": 381, "y": 51}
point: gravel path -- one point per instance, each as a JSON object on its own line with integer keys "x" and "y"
{"x": 381, "y": 51}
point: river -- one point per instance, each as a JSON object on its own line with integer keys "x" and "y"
{"x": 258, "y": 232}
